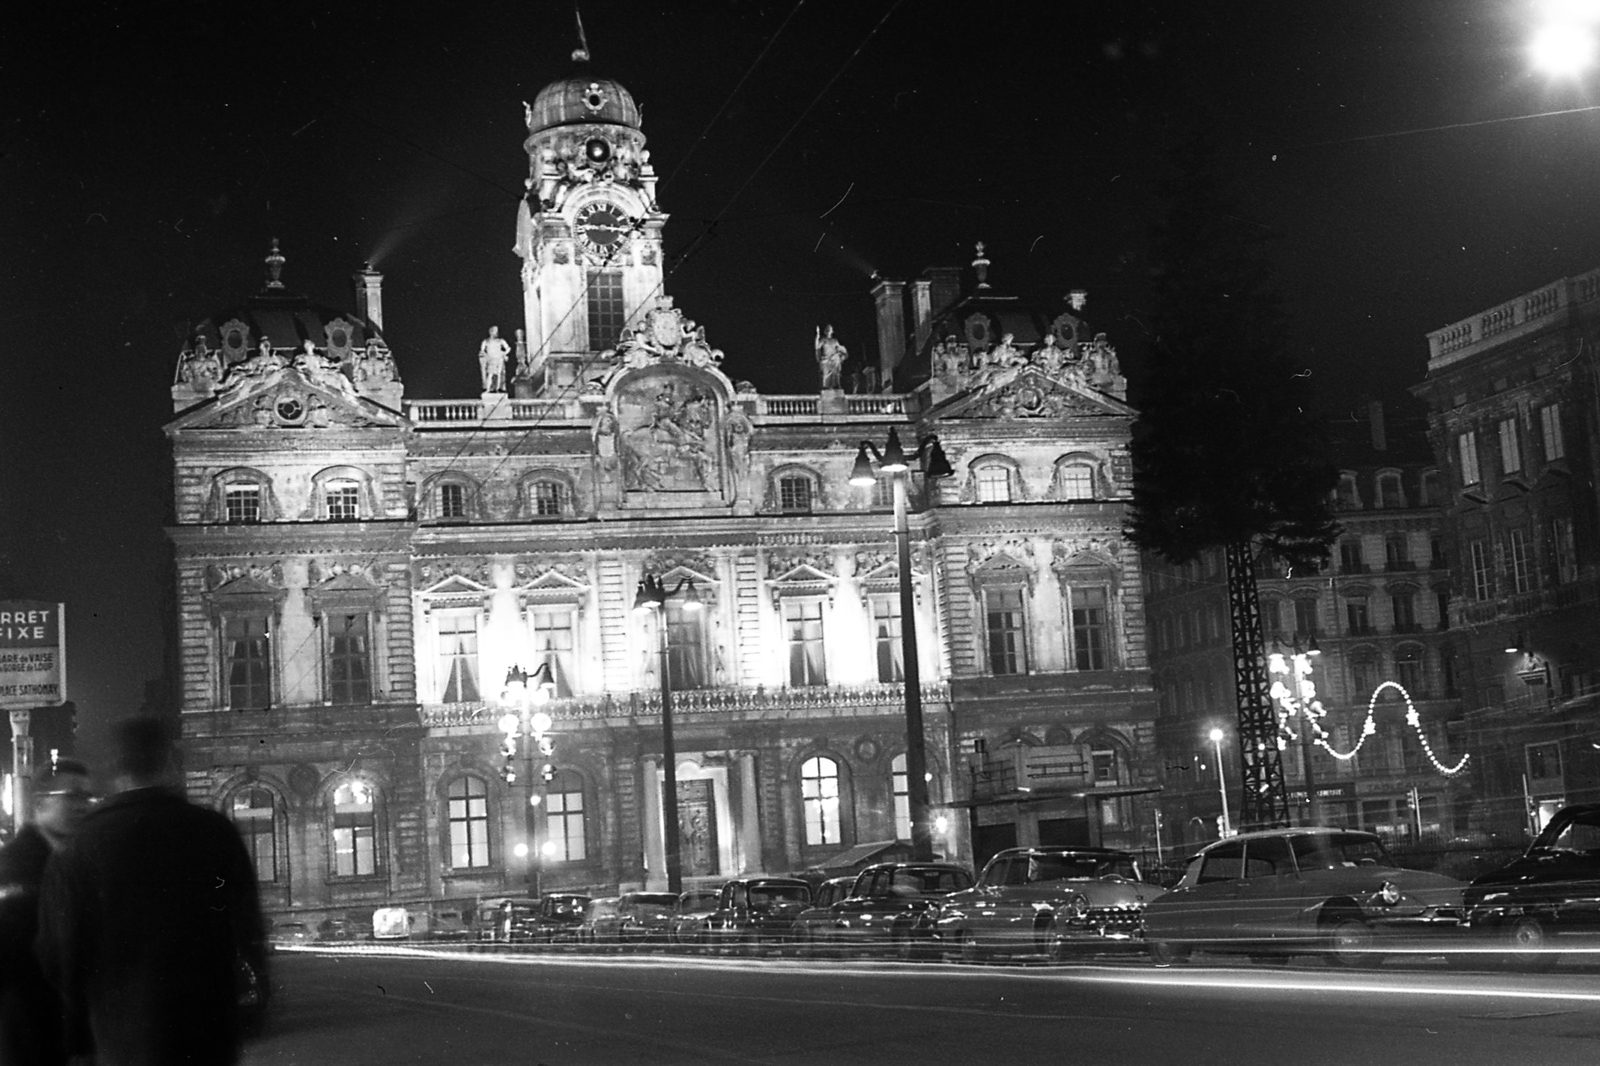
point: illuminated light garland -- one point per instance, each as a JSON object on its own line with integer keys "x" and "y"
{"x": 1302, "y": 702}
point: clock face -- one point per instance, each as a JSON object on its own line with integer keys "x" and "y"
{"x": 602, "y": 228}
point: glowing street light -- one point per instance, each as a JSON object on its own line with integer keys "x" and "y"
{"x": 1222, "y": 783}
{"x": 1563, "y": 45}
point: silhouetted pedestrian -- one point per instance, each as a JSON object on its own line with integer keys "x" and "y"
{"x": 31, "y": 1023}
{"x": 146, "y": 916}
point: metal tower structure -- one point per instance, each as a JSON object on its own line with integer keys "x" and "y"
{"x": 1264, "y": 802}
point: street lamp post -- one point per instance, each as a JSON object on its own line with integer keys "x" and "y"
{"x": 1222, "y": 783}
{"x": 894, "y": 461}
{"x": 514, "y": 725}
{"x": 653, "y": 596}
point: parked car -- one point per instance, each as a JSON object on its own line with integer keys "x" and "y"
{"x": 645, "y": 917}
{"x": 1552, "y": 892}
{"x": 290, "y": 933}
{"x": 892, "y": 905}
{"x": 558, "y": 917}
{"x": 597, "y": 914}
{"x": 447, "y": 924}
{"x": 343, "y": 927}
{"x": 690, "y": 913}
{"x": 755, "y": 909}
{"x": 1287, "y": 891}
{"x": 820, "y": 912}
{"x": 1047, "y": 899}
{"x": 504, "y": 919}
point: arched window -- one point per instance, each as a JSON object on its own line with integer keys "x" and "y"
{"x": 355, "y": 830}
{"x": 1076, "y": 481}
{"x": 452, "y": 500}
{"x": 993, "y": 483}
{"x": 794, "y": 494}
{"x": 900, "y": 787}
{"x": 255, "y": 815}
{"x": 241, "y": 503}
{"x": 547, "y": 498}
{"x": 468, "y": 803}
{"x": 565, "y": 839}
{"x": 819, "y": 795}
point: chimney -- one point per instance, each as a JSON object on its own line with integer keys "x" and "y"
{"x": 369, "y": 295}
{"x": 890, "y": 297}
{"x": 1380, "y": 438}
{"x": 921, "y": 314}
{"x": 946, "y": 287}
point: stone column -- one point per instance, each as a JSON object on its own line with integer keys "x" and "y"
{"x": 655, "y": 851}
{"x": 750, "y": 850}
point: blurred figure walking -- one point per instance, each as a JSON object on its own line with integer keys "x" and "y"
{"x": 31, "y": 1024}
{"x": 146, "y": 917}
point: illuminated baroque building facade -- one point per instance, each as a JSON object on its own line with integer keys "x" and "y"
{"x": 359, "y": 572}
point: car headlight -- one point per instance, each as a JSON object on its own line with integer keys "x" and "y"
{"x": 1388, "y": 893}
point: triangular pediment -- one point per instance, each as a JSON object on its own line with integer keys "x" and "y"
{"x": 805, "y": 573}
{"x": 553, "y": 580}
{"x": 1003, "y": 562}
{"x": 288, "y": 399}
{"x": 347, "y": 582}
{"x": 247, "y": 585}
{"x": 1029, "y": 392}
{"x": 456, "y": 585}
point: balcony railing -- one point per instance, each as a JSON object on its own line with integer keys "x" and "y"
{"x": 864, "y": 408}
{"x": 1531, "y": 309}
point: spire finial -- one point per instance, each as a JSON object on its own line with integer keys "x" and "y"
{"x": 580, "y": 54}
{"x": 981, "y": 266}
{"x": 274, "y": 263}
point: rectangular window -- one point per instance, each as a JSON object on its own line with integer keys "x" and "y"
{"x": 553, "y": 643}
{"x": 1467, "y": 448}
{"x": 1105, "y": 767}
{"x": 1077, "y": 482}
{"x": 1521, "y": 561}
{"x": 1444, "y": 608}
{"x": 994, "y": 484}
{"x": 686, "y": 646}
{"x": 469, "y": 824}
{"x": 802, "y": 623}
{"x": 547, "y": 498}
{"x": 452, "y": 501}
{"x": 1510, "y": 449}
{"x": 902, "y": 798}
{"x": 458, "y": 657}
{"x": 794, "y": 495}
{"x": 1482, "y": 575}
{"x": 1562, "y": 550}
{"x": 1271, "y": 618}
{"x": 242, "y": 504}
{"x": 1550, "y": 430}
{"x": 604, "y": 295}
{"x": 1396, "y": 553}
{"x": 344, "y": 501}
{"x": 1389, "y": 491}
{"x": 1089, "y": 628}
{"x": 1430, "y": 488}
{"x": 349, "y": 658}
{"x": 1544, "y": 761}
{"x": 886, "y": 638}
{"x": 247, "y": 645}
{"x": 564, "y": 826}
{"x": 1357, "y": 614}
{"x": 1408, "y": 671}
{"x": 1306, "y": 623}
{"x": 1405, "y": 611}
{"x": 355, "y": 831}
{"x": 254, "y": 816}
{"x": 1363, "y": 678}
{"x": 1007, "y": 631}
{"x": 1350, "y": 556}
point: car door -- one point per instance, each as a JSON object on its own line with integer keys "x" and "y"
{"x": 1267, "y": 900}
{"x": 1209, "y": 908}
{"x": 986, "y": 913}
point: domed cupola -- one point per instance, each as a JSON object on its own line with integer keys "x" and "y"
{"x": 584, "y": 130}
{"x": 581, "y": 100}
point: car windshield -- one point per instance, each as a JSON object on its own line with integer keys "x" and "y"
{"x": 779, "y": 894}
{"x": 567, "y": 907}
{"x": 698, "y": 901}
{"x": 1069, "y": 867}
{"x": 928, "y": 882}
{"x": 651, "y": 902}
{"x": 1578, "y": 832}
{"x": 1328, "y": 851}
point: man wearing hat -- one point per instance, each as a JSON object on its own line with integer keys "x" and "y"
{"x": 31, "y": 1024}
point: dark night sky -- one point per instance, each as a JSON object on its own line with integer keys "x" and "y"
{"x": 1401, "y": 156}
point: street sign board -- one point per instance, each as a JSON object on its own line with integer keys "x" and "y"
{"x": 33, "y": 653}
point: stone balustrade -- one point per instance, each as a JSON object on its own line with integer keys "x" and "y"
{"x": 1499, "y": 323}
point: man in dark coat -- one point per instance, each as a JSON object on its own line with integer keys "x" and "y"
{"x": 146, "y": 916}
{"x": 30, "y": 1011}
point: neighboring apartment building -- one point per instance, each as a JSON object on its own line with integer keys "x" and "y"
{"x": 1514, "y": 414}
{"x": 1378, "y": 612}
{"x": 357, "y": 573}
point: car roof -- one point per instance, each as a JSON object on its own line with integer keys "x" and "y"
{"x": 1065, "y": 849}
{"x": 916, "y": 866}
{"x": 763, "y": 880}
{"x": 1292, "y": 831}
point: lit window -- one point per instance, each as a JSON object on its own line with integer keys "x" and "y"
{"x": 254, "y": 815}
{"x": 794, "y": 494}
{"x": 604, "y": 298}
{"x": 902, "y": 797}
{"x": 1482, "y": 576}
{"x": 548, "y": 498}
{"x": 802, "y": 622}
{"x": 686, "y": 646}
{"x": 819, "y": 795}
{"x": 246, "y": 641}
{"x": 1089, "y": 628}
{"x": 349, "y": 658}
{"x": 469, "y": 823}
{"x": 1077, "y": 481}
{"x": 1510, "y": 449}
{"x": 343, "y": 501}
{"x": 553, "y": 643}
{"x": 994, "y": 484}
{"x": 355, "y": 830}
{"x": 1006, "y": 630}
{"x": 458, "y": 656}
{"x": 1521, "y": 561}
{"x": 1467, "y": 447}
{"x": 564, "y": 827}
{"x": 452, "y": 501}
{"x": 242, "y": 504}
{"x": 1550, "y": 429}
{"x": 886, "y": 638}
{"x": 1105, "y": 766}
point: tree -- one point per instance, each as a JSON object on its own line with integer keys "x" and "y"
{"x": 1226, "y": 452}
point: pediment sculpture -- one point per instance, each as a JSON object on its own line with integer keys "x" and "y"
{"x": 665, "y": 335}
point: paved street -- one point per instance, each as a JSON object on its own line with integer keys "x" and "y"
{"x": 358, "y": 1008}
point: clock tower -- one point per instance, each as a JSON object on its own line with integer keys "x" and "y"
{"x": 588, "y": 229}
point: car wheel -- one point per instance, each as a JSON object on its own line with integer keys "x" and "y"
{"x": 1165, "y": 952}
{"x": 1528, "y": 945}
{"x": 1350, "y": 941}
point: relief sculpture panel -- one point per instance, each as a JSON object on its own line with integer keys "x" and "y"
{"x": 668, "y": 436}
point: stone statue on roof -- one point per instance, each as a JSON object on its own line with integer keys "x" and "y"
{"x": 830, "y": 356}
{"x": 492, "y": 361}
